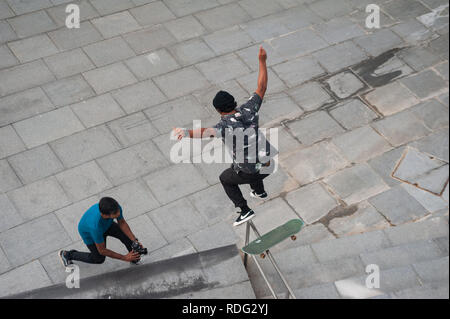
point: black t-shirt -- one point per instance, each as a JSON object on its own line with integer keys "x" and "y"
{"x": 241, "y": 135}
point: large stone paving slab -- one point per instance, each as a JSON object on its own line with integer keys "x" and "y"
{"x": 429, "y": 201}
{"x": 386, "y": 163}
{"x": 38, "y": 237}
{"x": 48, "y": 127}
{"x": 298, "y": 43}
{"x": 414, "y": 165}
{"x": 213, "y": 203}
{"x": 35, "y": 164}
{"x": 175, "y": 182}
{"x": 344, "y": 85}
{"x": 108, "y": 51}
{"x": 10, "y": 143}
{"x": 110, "y": 77}
{"x": 66, "y": 39}
{"x": 398, "y": 206}
{"x": 85, "y": 146}
{"x": 276, "y": 108}
{"x": 401, "y": 128}
{"x": 356, "y": 183}
{"x": 352, "y": 114}
{"x": 223, "y": 69}
{"x": 361, "y": 144}
{"x": 364, "y": 219}
{"x": 310, "y": 96}
{"x": 33, "y": 48}
{"x": 32, "y": 23}
{"x": 391, "y": 98}
{"x": 9, "y": 217}
{"x": 133, "y": 129}
{"x": 116, "y": 24}
{"x": 148, "y": 65}
{"x": 7, "y": 59}
{"x": 340, "y": 56}
{"x": 425, "y": 84}
{"x": 435, "y": 144}
{"x": 181, "y": 82}
{"x": 298, "y": 71}
{"x": 178, "y": 220}
{"x": 39, "y": 198}
{"x": 315, "y": 128}
{"x": 9, "y": 179}
{"x": 433, "y": 114}
{"x": 130, "y": 163}
{"x": 191, "y": 52}
{"x": 207, "y": 238}
{"x": 83, "y": 181}
{"x": 23, "y": 105}
{"x": 318, "y": 161}
{"x": 221, "y": 17}
{"x": 28, "y": 277}
{"x": 312, "y": 202}
{"x": 68, "y": 91}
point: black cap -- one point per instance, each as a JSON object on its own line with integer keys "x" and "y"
{"x": 224, "y": 102}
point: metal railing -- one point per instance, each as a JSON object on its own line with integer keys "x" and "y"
{"x": 252, "y": 226}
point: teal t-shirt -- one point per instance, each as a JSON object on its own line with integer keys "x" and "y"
{"x": 92, "y": 226}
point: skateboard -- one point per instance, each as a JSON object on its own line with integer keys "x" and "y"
{"x": 274, "y": 237}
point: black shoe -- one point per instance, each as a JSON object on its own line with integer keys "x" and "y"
{"x": 244, "y": 217}
{"x": 260, "y": 196}
{"x": 63, "y": 257}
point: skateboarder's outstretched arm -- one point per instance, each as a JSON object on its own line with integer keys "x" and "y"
{"x": 197, "y": 133}
{"x": 262, "y": 78}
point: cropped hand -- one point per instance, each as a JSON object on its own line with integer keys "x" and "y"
{"x": 262, "y": 54}
{"x": 180, "y": 133}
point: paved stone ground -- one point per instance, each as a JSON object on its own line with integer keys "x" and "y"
{"x": 362, "y": 117}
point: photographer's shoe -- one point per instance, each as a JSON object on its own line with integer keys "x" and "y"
{"x": 244, "y": 217}
{"x": 260, "y": 196}
{"x": 64, "y": 259}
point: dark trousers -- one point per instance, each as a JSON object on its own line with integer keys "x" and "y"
{"x": 231, "y": 180}
{"x": 94, "y": 256}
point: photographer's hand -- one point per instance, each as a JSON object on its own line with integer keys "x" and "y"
{"x": 131, "y": 256}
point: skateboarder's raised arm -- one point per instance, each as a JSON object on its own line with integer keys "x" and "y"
{"x": 262, "y": 78}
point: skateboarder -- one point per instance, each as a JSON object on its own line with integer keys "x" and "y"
{"x": 247, "y": 164}
{"x": 96, "y": 224}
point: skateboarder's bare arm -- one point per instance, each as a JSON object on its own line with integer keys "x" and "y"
{"x": 197, "y": 133}
{"x": 262, "y": 78}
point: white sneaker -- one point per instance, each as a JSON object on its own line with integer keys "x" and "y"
{"x": 260, "y": 196}
{"x": 244, "y": 217}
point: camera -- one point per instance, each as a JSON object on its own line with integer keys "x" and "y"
{"x": 138, "y": 249}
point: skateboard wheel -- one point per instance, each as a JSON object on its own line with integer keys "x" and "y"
{"x": 262, "y": 256}
{"x": 294, "y": 237}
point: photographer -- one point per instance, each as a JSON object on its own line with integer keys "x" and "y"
{"x": 96, "y": 224}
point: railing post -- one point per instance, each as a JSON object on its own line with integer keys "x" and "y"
{"x": 247, "y": 239}
{"x": 272, "y": 260}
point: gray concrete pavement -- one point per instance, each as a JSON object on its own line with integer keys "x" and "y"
{"x": 362, "y": 117}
